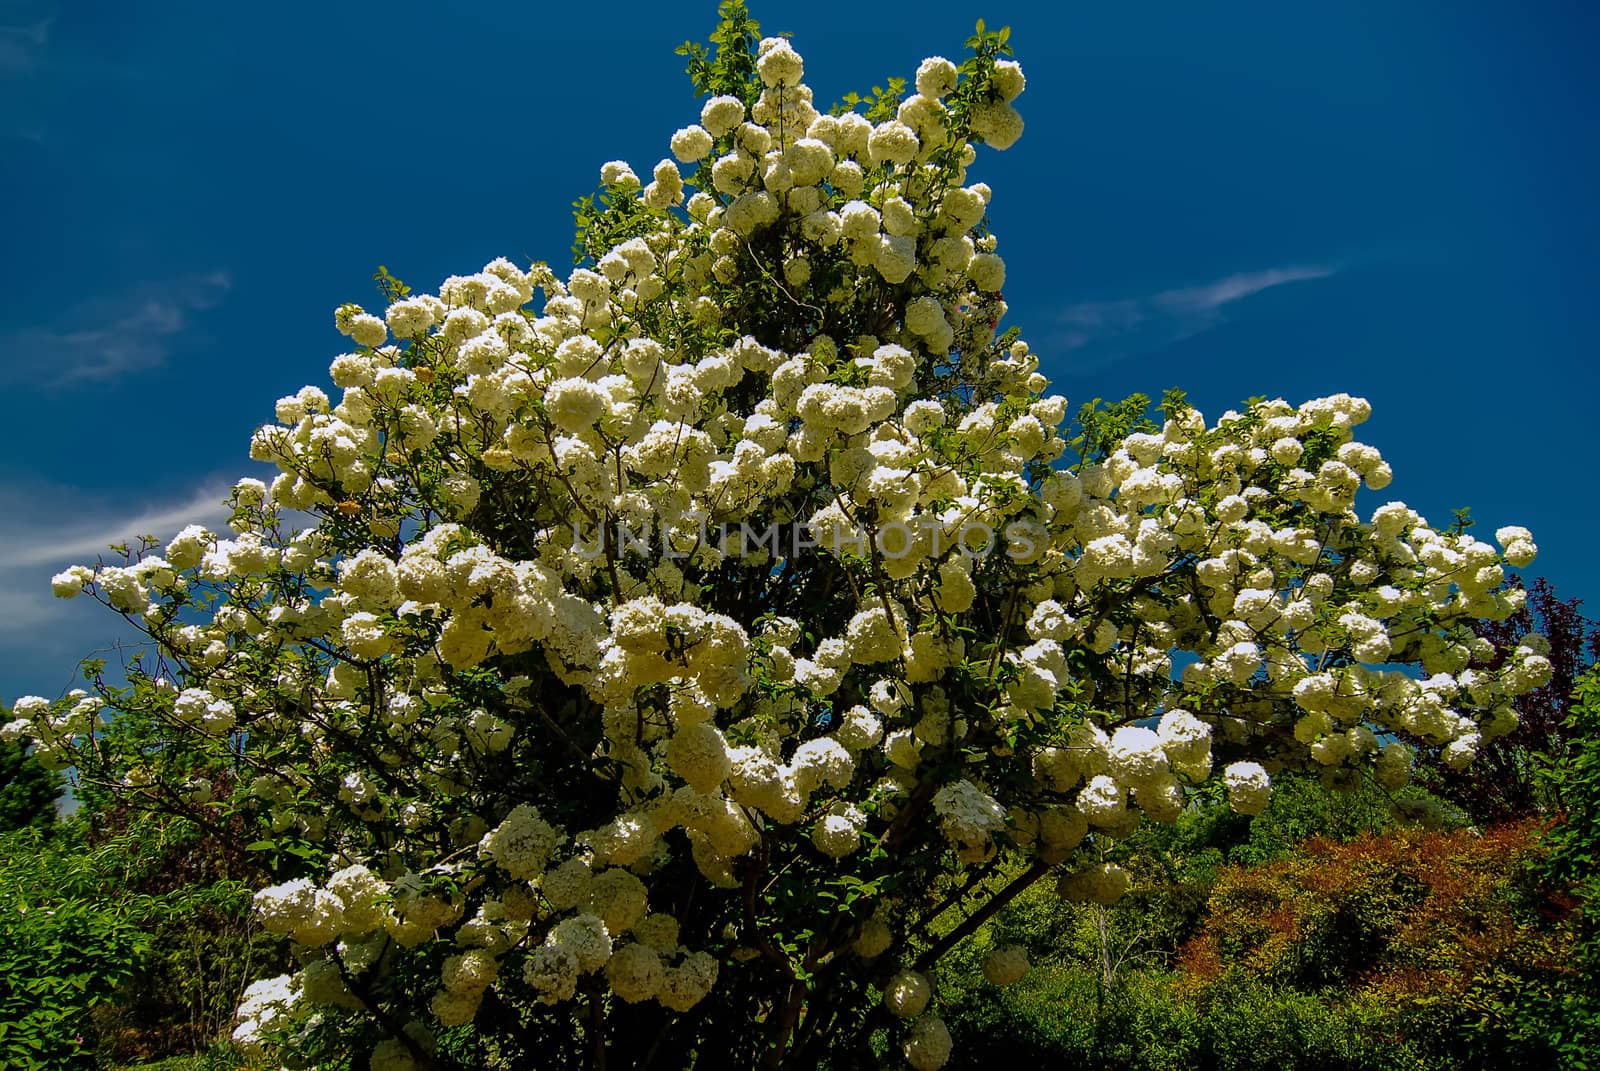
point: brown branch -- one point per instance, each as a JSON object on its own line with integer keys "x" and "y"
{"x": 752, "y": 876}
{"x": 597, "y": 1029}
{"x": 976, "y": 878}
{"x": 920, "y": 795}
{"x": 970, "y": 925}
{"x": 783, "y": 1026}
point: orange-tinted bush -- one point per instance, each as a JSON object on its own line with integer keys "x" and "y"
{"x": 1407, "y": 918}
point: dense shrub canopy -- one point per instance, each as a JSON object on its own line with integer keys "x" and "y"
{"x": 1407, "y": 917}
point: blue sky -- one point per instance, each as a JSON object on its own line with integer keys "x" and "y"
{"x": 1392, "y": 199}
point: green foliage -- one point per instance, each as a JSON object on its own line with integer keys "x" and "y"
{"x": 1062, "y": 1017}
{"x": 28, "y": 791}
{"x": 1567, "y": 1020}
{"x": 1403, "y": 951}
{"x": 881, "y": 104}
{"x": 1370, "y": 948}
{"x": 121, "y": 937}
{"x": 219, "y": 1057}
{"x": 189, "y": 886}
{"x": 391, "y": 288}
{"x": 1302, "y": 807}
{"x": 204, "y": 947}
{"x": 1103, "y": 424}
{"x": 1175, "y": 866}
{"x": 605, "y": 219}
{"x": 1252, "y": 1025}
{"x": 63, "y": 950}
{"x": 1575, "y": 841}
{"x": 729, "y": 66}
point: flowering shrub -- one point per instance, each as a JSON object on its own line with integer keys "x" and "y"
{"x": 648, "y": 659}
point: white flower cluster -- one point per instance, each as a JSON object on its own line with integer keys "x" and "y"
{"x": 838, "y": 833}
{"x": 927, "y": 1047}
{"x": 52, "y": 728}
{"x": 310, "y": 915}
{"x": 873, "y": 939}
{"x": 267, "y": 1005}
{"x": 969, "y": 818}
{"x": 907, "y": 994}
{"x": 466, "y": 976}
{"x": 1099, "y": 883}
{"x": 1248, "y": 787}
{"x": 352, "y": 903}
{"x": 1005, "y": 965}
{"x": 522, "y": 844}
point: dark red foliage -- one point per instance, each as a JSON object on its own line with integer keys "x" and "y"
{"x": 1505, "y": 781}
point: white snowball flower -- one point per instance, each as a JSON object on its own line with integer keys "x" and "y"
{"x": 1249, "y": 787}
{"x": 618, "y": 173}
{"x": 874, "y": 938}
{"x": 1009, "y": 81}
{"x": 1099, "y": 883}
{"x": 893, "y": 142}
{"x": 691, "y": 143}
{"x": 907, "y": 994}
{"x": 1136, "y": 755}
{"x": 936, "y": 76}
{"x": 720, "y": 115}
{"x": 838, "y": 833}
{"x": 576, "y": 404}
{"x": 522, "y": 844}
{"x": 70, "y": 583}
{"x": 997, "y": 123}
{"x": 586, "y": 938}
{"x": 928, "y": 1046}
{"x": 1005, "y": 964}
{"x": 779, "y": 63}
{"x": 1393, "y": 767}
{"x": 635, "y": 972}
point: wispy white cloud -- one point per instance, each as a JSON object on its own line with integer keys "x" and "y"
{"x": 39, "y": 540}
{"x": 1095, "y": 334}
{"x": 44, "y": 530}
{"x": 22, "y": 41}
{"x": 110, "y": 337}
